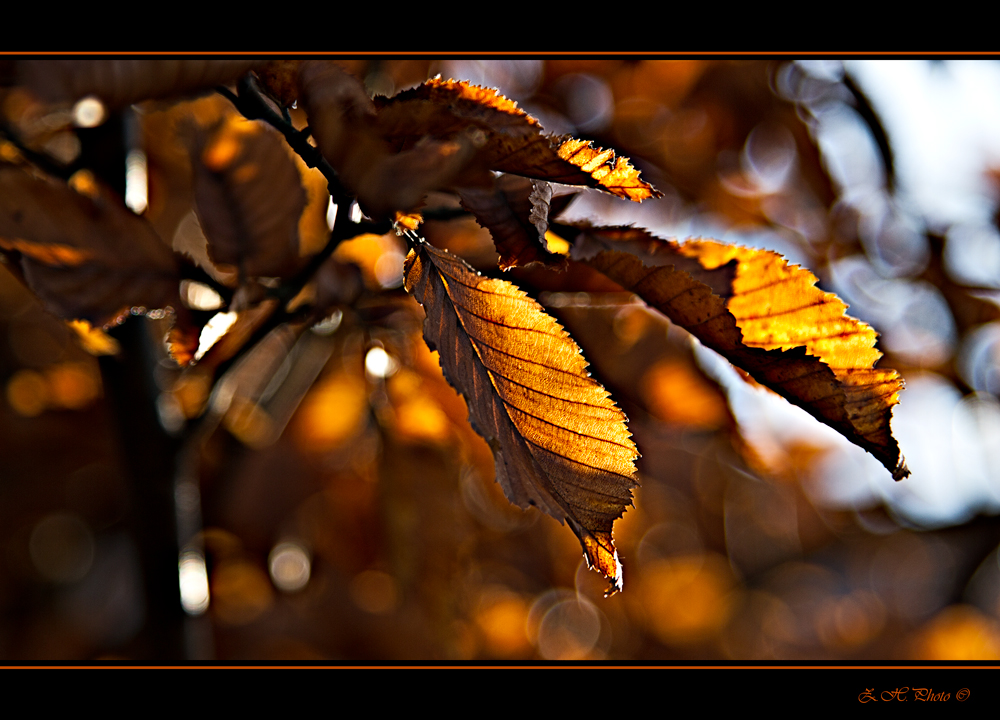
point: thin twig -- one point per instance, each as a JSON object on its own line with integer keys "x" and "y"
{"x": 252, "y": 105}
{"x": 41, "y": 160}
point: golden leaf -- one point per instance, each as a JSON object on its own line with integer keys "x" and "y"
{"x": 559, "y": 442}
{"x": 512, "y": 141}
{"x": 766, "y": 317}
{"x": 615, "y": 175}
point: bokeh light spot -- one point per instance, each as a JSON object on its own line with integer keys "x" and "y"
{"x": 685, "y": 599}
{"x": 379, "y": 363}
{"x": 28, "y": 393}
{"x": 960, "y": 632}
{"x": 241, "y": 592}
{"x": 290, "y": 566}
{"x": 193, "y": 579}
{"x": 88, "y": 112}
{"x": 569, "y": 630}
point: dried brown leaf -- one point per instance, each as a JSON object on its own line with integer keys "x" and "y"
{"x": 559, "y": 442}
{"x": 86, "y": 258}
{"x": 384, "y": 179}
{"x": 249, "y": 197}
{"x": 442, "y": 134}
{"x": 513, "y": 141}
{"x": 119, "y": 83}
{"x": 766, "y": 317}
{"x": 340, "y": 111}
{"x": 516, "y": 214}
{"x": 280, "y": 78}
{"x": 401, "y": 181}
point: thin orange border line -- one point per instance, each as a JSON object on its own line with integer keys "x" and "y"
{"x": 499, "y": 667}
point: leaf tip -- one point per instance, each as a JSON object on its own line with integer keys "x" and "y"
{"x": 601, "y": 555}
{"x": 608, "y": 171}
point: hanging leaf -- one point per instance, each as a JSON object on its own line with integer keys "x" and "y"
{"x": 384, "y": 179}
{"x": 249, "y": 197}
{"x": 516, "y": 211}
{"x": 391, "y": 152}
{"x": 559, "y": 442}
{"x": 766, "y": 317}
{"x": 87, "y": 258}
{"x": 513, "y": 140}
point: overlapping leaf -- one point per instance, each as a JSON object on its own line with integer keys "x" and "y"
{"x": 766, "y": 317}
{"x": 513, "y": 140}
{"x": 86, "y": 258}
{"x": 516, "y": 212}
{"x": 444, "y": 133}
{"x": 559, "y": 442}
{"x": 249, "y": 197}
{"x": 384, "y": 179}
{"x": 119, "y": 83}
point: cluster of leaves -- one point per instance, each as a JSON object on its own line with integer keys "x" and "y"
{"x": 262, "y": 181}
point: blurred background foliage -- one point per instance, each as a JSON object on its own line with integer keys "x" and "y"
{"x": 348, "y": 511}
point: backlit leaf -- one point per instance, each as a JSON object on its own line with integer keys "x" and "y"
{"x": 516, "y": 214}
{"x": 86, "y": 258}
{"x": 766, "y": 317}
{"x": 615, "y": 175}
{"x": 384, "y": 179}
{"x": 559, "y": 442}
{"x": 513, "y": 141}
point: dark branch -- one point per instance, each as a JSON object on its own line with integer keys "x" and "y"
{"x": 38, "y": 159}
{"x": 252, "y": 105}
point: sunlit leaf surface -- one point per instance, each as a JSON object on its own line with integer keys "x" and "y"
{"x": 559, "y": 441}
{"x": 766, "y": 317}
{"x": 512, "y": 140}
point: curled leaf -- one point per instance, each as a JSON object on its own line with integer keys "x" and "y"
{"x": 516, "y": 212}
{"x": 340, "y": 111}
{"x": 559, "y": 442}
{"x": 766, "y": 317}
{"x": 401, "y": 181}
